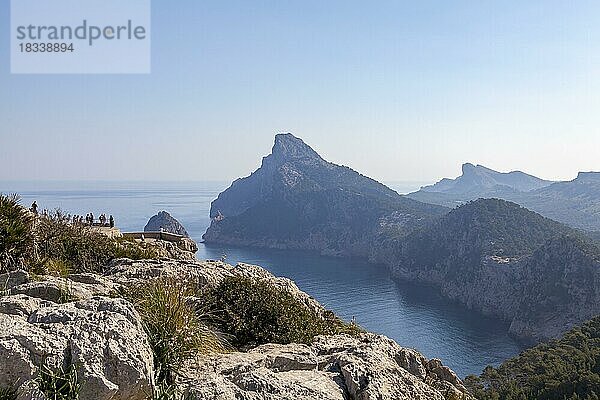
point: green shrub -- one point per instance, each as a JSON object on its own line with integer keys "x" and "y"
{"x": 52, "y": 245}
{"x": 255, "y": 312}
{"x": 129, "y": 248}
{"x": 60, "y": 383}
{"x": 175, "y": 330}
{"x": 16, "y": 233}
{"x": 564, "y": 369}
{"x": 76, "y": 246}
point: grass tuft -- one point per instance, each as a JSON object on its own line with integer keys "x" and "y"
{"x": 170, "y": 392}
{"x": 60, "y": 383}
{"x": 175, "y": 329}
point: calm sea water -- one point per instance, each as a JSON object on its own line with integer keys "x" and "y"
{"x": 415, "y": 316}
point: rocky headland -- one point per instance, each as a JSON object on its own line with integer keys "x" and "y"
{"x": 504, "y": 260}
{"x": 297, "y": 200}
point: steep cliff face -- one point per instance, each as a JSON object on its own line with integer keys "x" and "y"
{"x": 491, "y": 255}
{"x": 298, "y": 200}
{"x": 504, "y": 260}
{"x": 560, "y": 288}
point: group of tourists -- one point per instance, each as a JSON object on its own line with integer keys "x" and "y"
{"x": 91, "y": 221}
{"x": 88, "y": 219}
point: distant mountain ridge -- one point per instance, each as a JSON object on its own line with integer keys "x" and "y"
{"x": 575, "y": 203}
{"x": 478, "y": 179}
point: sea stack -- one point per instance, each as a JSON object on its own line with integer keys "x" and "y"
{"x": 165, "y": 221}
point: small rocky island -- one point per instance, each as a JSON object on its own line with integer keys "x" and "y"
{"x": 92, "y": 317}
{"x": 163, "y": 220}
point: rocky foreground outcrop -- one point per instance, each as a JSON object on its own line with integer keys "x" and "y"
{"x": 102, "y": 337}
{"x": 82, "y": 321}
{"x": 332, "y": 368}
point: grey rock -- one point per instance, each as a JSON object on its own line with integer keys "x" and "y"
{"x": 61, "y": 290}
{"x": 46, "y": 290}
{"x": 125, "y": 272}
{"x": 169, "y": 224}
{"x": 102, "y": 337}
{"x": 12, "y": 279}
{"x": 334, "y": 367}
{"x": 21, "y": 305}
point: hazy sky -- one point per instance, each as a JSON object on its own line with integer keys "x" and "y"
{"x": 398, "y": 90}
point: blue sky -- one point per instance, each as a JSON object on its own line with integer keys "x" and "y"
{"x": 397, "y": 90}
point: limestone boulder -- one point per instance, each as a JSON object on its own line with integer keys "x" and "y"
{"x": 101, "y": 337}
{"x": 369, "y": 367}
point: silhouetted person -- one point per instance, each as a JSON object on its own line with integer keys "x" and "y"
{"x": 91, "y": 219}
{"x": 111, "y": 221}
{"x": 34, "y": 207}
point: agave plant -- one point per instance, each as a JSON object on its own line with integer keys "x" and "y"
{"x": 16, "y": 233}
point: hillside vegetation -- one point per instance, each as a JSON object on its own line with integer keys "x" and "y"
{"x": 568, "y": 368}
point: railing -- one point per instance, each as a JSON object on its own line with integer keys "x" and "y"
{"x": 168, "y": 236}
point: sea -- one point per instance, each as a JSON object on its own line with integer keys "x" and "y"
{"x": 413, "y": 315}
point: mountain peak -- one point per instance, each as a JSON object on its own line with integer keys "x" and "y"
{"x": 589, "y": 176}
{"x": 288, "y": 146}
{"x": 467, "y": 167}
